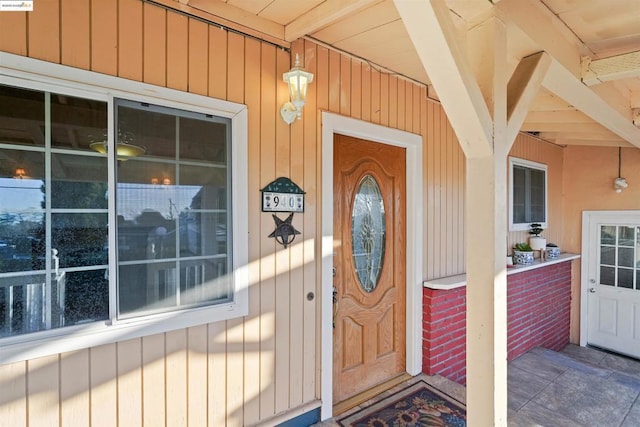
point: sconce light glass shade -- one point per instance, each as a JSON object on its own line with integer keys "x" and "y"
{"x": 298, "y": 80}
{"x": 124, "y": 149}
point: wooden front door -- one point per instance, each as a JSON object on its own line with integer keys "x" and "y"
{"x": 369, "y": 228}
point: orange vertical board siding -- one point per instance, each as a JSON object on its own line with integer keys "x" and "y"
{"x": 104, "y": 36}
{"x": 74, "y": 388}
{"x": 13, "y": 410}
{"x": 217, "y": 63}
{"x": 321, "y": 87}
{"x": 75, "y": 33}
{"x": 176, "y": 377}
{"x": 345, "y": 85}
{"x": 356, "y": 89}
{"x": 393, "y": 102}
{"x": 104, "y": 394}
{"x": 153, "y": 380}
{"x": 312, "y": 159}
{"x": 334, "y": 81}
{"x": 197, "y": 407}
{"x": 217, "y": 373}
{"x": 375, "y": 96}
{"x": 296, "y": 256}
{"x": 154, "y": 45}
{"x": 130, "y": 382}
{"x": 235, "y": 68}
{"x": 13, "y": 33}
{"x": 42, "y": 385}
{"x": 130, "y": 48}
{"x": 428, "y": 232}
{"x": 365, "y": 91}
{"x": 268, "y": 115}
{"x": 44, "y": 31}
{"x": 253, "y": 95}
{"x": 401, "y": 113}
{"x": 198, "y": 57}
{"x": 384, "y": 99}
{"x": 283, "y": 260}
{"x": 177, "y": 51}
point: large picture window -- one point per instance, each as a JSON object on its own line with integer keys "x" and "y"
{"x": 116, "y": 210}
{"x": 528, "y": 194}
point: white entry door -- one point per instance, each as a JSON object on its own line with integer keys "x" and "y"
{"x": 611, "y": 280}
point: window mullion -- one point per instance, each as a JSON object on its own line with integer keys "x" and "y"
{"x": 47, "y": 199}
{"x": 177, "y": 219}
{"x": 111, "y": 204}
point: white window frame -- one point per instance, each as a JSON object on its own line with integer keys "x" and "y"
{"x": 40, "y": 75}
{"x": 525, "y": 226}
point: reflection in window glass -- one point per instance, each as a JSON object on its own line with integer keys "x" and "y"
{"x": 608, "y": 234}
{"x": 173, "y": 226}
{"x": 40, "y": 285}
{"x": 528, "y": 191}
{"x": 608, "y": 255}
{"x": 625, "y": 278}
{"x": 607, "y": 276}
{"x": 626, "y": 236}
{"x": 625, "y": 257}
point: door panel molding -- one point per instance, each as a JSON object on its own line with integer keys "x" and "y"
{"x": 333, "y": 123}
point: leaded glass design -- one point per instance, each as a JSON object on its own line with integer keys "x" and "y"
{"x": 619, "y": 261}
{"x": 368, "y": 233}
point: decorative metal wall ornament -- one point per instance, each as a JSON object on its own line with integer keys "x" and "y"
{"x": 285, "y": 232}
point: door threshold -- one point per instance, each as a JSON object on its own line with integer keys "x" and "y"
{"x": 368, "y": 394}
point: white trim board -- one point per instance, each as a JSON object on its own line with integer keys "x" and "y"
{"x": 335, "y": 124}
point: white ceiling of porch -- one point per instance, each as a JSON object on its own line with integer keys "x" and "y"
{"x": 568, "y": 30}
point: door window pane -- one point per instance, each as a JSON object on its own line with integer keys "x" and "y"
{"x": 607, "y": 276}
{"x": 608, "y": 255}
{"x": 22, "y": 114}
{"x": 368, "y": 233}
{"x": 625, "y": 278}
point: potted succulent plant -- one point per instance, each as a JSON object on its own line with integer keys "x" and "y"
{"x": 536, "y": 241}
{"x": 553, "y": 251}
{"x": 522, "y": 254}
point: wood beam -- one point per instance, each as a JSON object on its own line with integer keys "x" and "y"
{"x": 522, "y": 89}
{"x": 322, "y": 15}
{"x": 595, "y": 71}
{"x": 222, "y": 14}
{"x": 433, "y": 35}
{"x": 563, "y": 83}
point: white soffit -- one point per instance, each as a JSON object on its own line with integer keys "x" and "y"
{"x": 595, "y": 71}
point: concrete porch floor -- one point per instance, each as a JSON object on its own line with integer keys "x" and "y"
{"x": 575, "y": 387}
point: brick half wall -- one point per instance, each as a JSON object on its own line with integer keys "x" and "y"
{"x": 538, "y": 314}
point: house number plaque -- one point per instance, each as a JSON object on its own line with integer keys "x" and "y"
{"x": 282, "y": 195}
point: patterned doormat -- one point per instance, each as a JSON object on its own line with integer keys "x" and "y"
{"x": 417, "y": 405}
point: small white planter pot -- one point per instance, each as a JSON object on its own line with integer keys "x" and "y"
{"x": 537, "y": 243}
{"x": 522, "y": 258}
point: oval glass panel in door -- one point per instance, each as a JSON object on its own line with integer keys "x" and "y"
{"x": 368, "y": 233}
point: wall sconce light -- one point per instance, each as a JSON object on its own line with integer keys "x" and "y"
{"x": 124, "y": 147}
{"x": 620, "y": 183}
{"x": 298, "y": 80}
{"x": 19, "y": 173}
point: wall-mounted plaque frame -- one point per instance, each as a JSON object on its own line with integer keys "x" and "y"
{"x": 282, "y": 195}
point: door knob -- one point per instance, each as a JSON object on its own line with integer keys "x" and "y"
{"x": 592, "y": 290}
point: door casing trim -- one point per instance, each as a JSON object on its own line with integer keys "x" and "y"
{"x": 332, "y": 124}
{"x": 589, "y": 218}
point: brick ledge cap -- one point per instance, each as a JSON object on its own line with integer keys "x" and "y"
{"x": 460, "y": 280}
